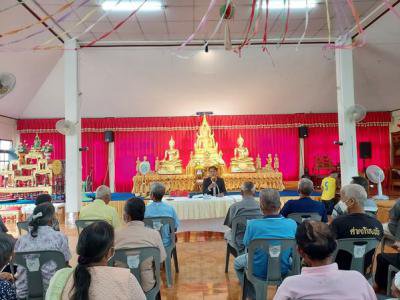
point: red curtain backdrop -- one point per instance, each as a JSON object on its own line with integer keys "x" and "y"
{"x": 263, "y": 134}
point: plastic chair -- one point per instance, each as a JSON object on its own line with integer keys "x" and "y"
{"x": 80, "y": 224}
{"x": 388, "y": 238}
{"x": 358, "y": 248}
{"x": 33, "y": 261}
{"x": 391, "y": 271}
{"x": 158, "y": 224}
{"x": 274, "y": 249}
{"x": 132, "y": 258}
{"x": 239, "y": 224}
{"x": 301, "y": 217}
{"x": 23, "y": 226}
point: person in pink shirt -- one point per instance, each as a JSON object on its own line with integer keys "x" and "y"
{"x": 321, "y": 279}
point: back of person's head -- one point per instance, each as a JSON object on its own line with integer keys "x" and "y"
{"x": 42, "y": 198}
{"x": 103, "y": 192}
{"x": 6, "y": 249}
{"x": 248, "y": 189}
{"x": 306, "y": 187}
{"x": 95, "y": 244}
{"x": 316, "y": 240}
{"x": 134, "y": 209}
{"x": 43, "y": 215}
{"x": 361, "y": 181}
{"x": 354, "y": 192}
{"x": 157, "y": 191}
{"x": 270, "y": 200}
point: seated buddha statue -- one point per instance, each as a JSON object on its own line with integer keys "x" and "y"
{"x": 171, "y": 164}
{"x": 241, "y": 162}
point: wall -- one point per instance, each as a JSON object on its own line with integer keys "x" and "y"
{"x": 8, "y": 129}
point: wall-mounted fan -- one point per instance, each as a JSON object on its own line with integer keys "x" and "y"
{"x": 356, "y": 113}
{"x": 7, "y": 83}
{"x": 65, "y": 127}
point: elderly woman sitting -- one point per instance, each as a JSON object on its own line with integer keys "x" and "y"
{"x": 41, "y": 237}
{"x": 7, "y": 289}
{"x": 321, "y": 279}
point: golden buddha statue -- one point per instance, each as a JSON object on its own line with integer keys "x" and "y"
{"x": 276, "y": 163}
{"x": 258, "y": 162}
{"x": 241, "y": 162}
{"x": 206, "y": 151}
{"x": 171, "y": 164}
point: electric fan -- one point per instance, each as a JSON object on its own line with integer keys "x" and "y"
{"x": 65, "y": 127}
{"x": 356, "y": 113}
{"x": 376, "y": 175}
{"x": 7, "y": 83}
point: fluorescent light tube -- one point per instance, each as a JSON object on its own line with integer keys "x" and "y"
{"x": 293, "y": 4}
{"x": 131, "y": 5}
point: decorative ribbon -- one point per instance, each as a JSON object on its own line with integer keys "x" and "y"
{"x": 115, "y": 27}
{"x": 11, "y": 6}
{"x": 328, "y": 21}
{"x": 228, "y": 2}
{"x": 285, "y": 20}
{"x": 265, "y": 34}
{"x": 392, "y": 9}
{"x": 14, "y": 31}
{"x": 246, "y": 39}
{"x": 200, "y": 25}
{"x": 83, "y": 2}
{"x": 306, "y": 25}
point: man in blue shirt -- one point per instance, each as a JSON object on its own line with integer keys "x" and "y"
{"x": 161, "y": 209}
{"x": 272, "y": 226}
{"x": 305, "y": 204}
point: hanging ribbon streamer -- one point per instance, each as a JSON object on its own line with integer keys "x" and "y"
{"x": 328, "y": 21}
{"x": 103, "y": 36}
{"x": 392, "y": 9}
{"x": 305, "y": 26}
{"x": 83, "y": 2}
{"x": 41, "y": 21}
{"x": 221, "y": 19}
{"x": 257, "y": 24}
{"x": 200, "y": 26}
{"x": 246, "y": 39}
{"x": 11, "y": 6}
{"x": 285, "y": 21}
{"x": 41, "y": 46}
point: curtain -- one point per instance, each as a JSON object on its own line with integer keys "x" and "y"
{"x": 263, "y": 134}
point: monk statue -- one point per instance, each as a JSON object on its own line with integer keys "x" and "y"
{"x": 171, "y": 164}
{"x": 258, "y": 162}
{"x": 241, "y": 162}
{"x": 157, "y": 164}
{"x": 276, "y": 163}
{"x": 268, "y": 166}
{"x": 137, "y": 164}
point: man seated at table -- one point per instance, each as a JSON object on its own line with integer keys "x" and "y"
{"x": 214, "y": 185}
{"x": 272, "y": 226}
{"x": 136, "y": 235}
{"x": 161, "y": 209}
{"x": 356, "y": 224}
{"x": 247, "y": 206}
{"x": 305, "y": 204}
{"x": 99, "y": 208}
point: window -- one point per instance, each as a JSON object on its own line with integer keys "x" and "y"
{"x": 5, "y": 146}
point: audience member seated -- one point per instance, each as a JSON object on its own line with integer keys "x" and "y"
{"x": 328, "y": 186}
{"x": 3, "y": 227}
{"x": 305, "y": 204}
{"x": 356, "y": 224}
{"x": 99, "y": 208}
{"x": 160, "y": 209}
{"x": 92, "y": 278}
{"x": 273, "y": 225}
{"x": 394, "y": 218}
{"x": 248, "y": 205}
{"x": 43, "y": 198}
{"x": 383, "y": 260}
{"x": 214, "y": 185}
{"x": 321, "y": 279}
{"x": 370, "y": 206}
{"x": 396, "y": 287}
{"x": 136, "y": 235}
{"x": 41, "y": 237}
{"x": 7, "y": 288}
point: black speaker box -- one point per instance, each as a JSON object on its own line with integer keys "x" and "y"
{"x": 109, "y": 136}
{"x": 303, "y": 132}
{"x": 365, "y": 149}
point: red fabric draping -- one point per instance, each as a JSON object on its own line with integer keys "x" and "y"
{"x": 263, "y": 134}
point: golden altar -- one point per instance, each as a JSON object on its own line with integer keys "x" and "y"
{"x": 206, "y": 153}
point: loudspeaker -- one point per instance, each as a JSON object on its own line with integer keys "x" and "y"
{"x": 365, "y": 149}
{"x": 303, "y": 132}
{"x": 109, "y": 136}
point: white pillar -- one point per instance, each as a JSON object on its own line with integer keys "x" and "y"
{"x": 73, "y": 161}
{"x": 347, "y": 128}
{"x": 111, "y": 166}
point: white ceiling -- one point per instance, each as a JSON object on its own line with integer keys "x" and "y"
{"x": 156, "y": 82}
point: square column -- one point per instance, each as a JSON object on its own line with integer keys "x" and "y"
{"x": 345, "y": 100}
{"x": 73, "y": 160}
